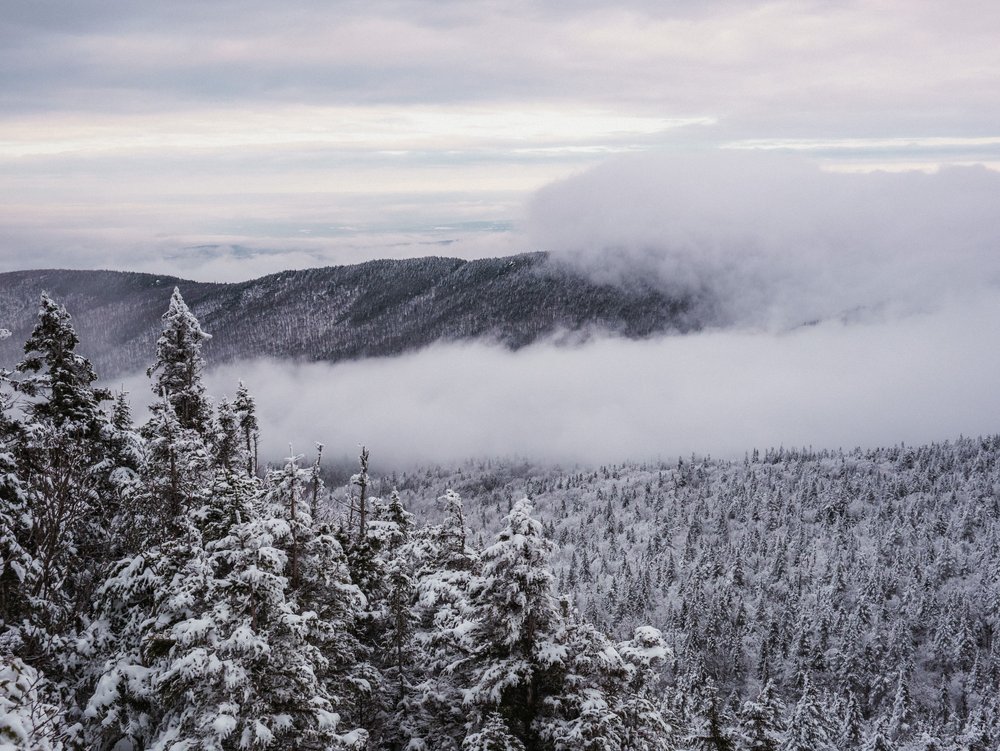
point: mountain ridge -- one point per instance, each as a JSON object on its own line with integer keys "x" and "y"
{"x": 375, "y": 308}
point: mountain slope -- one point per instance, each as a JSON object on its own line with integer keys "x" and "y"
{"x": 371, "y": 309}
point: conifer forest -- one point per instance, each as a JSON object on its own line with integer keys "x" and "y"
{"x": 163, "y": 588}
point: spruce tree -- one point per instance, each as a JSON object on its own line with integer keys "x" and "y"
{"x": 177, "y": 470}
{"x": 516, "y": 613}
{"x": 58, "y": 380}
{"x": 445, "y": 576}
{"x": 61, "y": 453}
{"x": 878, "y": 739}
{"x": 246, "y": 414}
{"x": 707, "y": 729}
{"x": 319, "y": 581}
{"x": 761, "y": 724}
{"x": 179, "y": 365}
{"x": 808, "y": 729}
{"x": 15, "y": 525}
{"x": 638, "y": 700}
{"x": 494, "y": 736}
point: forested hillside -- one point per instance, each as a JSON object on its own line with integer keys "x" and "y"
{"x": 160, "y": 590}
{"x": 873, "y": 575}
{"x": 344, "y": 312}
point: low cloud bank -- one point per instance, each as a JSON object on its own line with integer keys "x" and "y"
{"x": 774, "y": 240}
{"x": 920, "y": 378}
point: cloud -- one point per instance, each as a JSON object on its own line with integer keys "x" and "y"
{"x": 921, "y": 378}
{"x": 244, "y": 239}
{"x": 748, "y": 60}
{"x": 772, "y": 239}
{"x": 185, "y": 119}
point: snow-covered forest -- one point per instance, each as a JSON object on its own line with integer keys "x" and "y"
{"x": 162, "y": 589}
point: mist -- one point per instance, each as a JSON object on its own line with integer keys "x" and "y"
{"x": 849, "y": 310}
{"x": 773, "y": 240}
{"x": 920, "y": 378}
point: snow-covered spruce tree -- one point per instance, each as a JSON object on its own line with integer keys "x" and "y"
{"x": 878, "y": 739}
{"x": 391, "y": 624}
{"x": 126, "y": 461}
{"x": 707, "y": 727}
{"x": 606, "y": 696}
{"x": 177, "y": 470}
{"x": 179, "y": 365}
{"x": 27, "y": 719}
{"x": 246, "y": 673}
{"x": 445, "y": 568}
{"x": 761, "y": 722}
{"x": 57, "y": 379}
{"x": 900, "y": 726}
{"x": 179, "y": 432}
{"x": 638, "y": 700}
{"x": 851, "y": 730}
{"x": 15, "y": 524}
{"x": 493, "y": 736}
{"x": 809, "y": 727}
{"x": 555, "y": 682}
{"x": 320, "y": 582}
{"x": 581, "y": 714}
{"x": 61, "y": 455}
{"x": 228, "y": 452}
{"x": 246, "y": 414}
{"x": 132, "y": 636}
{"x": 179, "y": 505}
{"x": 213, "y": 649}
{"x": 513, "y": 655}
{"x": 361, "y": 546}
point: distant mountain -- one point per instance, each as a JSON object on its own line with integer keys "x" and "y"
{"x": 344, "y": 312}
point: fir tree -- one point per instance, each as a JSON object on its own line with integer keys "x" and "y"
{"x": 227, "y": 444}
{"x": 60, "y": 451}
{"x": 808, "y": 729}
{"x": 179, "y": 365}
{"x": 15, "y": 524}
{"x": 58, "y": 380}
{"x": 878, "y": 740}
{"x": 494, "y": 736}
{"x": 761, "y": 725}
{"x": 246, "y": 413}
{"x": 516, "y": 614}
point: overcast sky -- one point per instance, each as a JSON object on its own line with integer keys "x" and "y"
{"x": 158, "y": 136}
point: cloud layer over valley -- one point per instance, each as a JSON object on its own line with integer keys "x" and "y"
{"x": 918, "y": 378}
{"x": 851, "y": 309}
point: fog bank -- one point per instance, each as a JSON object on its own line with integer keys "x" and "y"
{"x": 919, "y": 378}
{"x": 772, "y": 238}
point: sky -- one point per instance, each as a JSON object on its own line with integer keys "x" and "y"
{"x": 827, "y": 171}
{"x": 223, "y": 140}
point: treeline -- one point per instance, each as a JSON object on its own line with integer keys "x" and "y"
{"x": 158, "y": 591}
